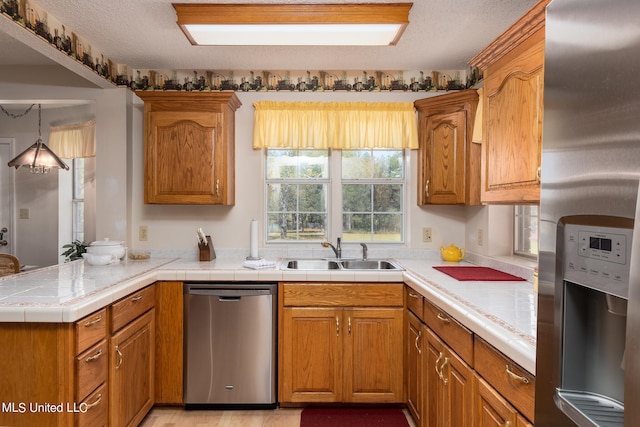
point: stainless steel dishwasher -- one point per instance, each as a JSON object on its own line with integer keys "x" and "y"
{"x": 230, "y": 344}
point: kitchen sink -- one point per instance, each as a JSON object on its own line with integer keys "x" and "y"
{"x": 311, "y": 264}
{"x": 370, "y": 264}
{"x": 340, "y": 264}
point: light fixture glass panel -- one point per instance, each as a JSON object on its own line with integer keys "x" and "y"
{"x": 294, "y": 34}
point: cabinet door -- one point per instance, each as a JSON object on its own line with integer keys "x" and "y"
{"x": 414, "y": 349}
{"x": 182, "y": 160}
{"x": 433, "y": 410}
{"x": 512, "y": 140}
{"x": 445, "y": 157}
{"x": 131, "y": 371}
{"x": 491, "y": 409}
{"x": 373, "y": 355}
{"x": 311, "y": 355}
{"x": 169, "y": 349}
{"x": 458, "y": 391}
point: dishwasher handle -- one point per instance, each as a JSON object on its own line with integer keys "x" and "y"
{"x": 227, "y": 294}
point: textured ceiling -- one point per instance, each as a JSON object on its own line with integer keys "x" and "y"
{"x": 442, "y": 35}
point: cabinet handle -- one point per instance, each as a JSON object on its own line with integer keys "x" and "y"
{"x": 438, "y": 361}
{"x": 337, "y": 326}
{"x": 538, "y": 174}
{"x": 442, "y": 318}
{"x": 442, "y": 377}
{"x": 416, "y": 342}
{"x": 93, "y": 322}
{"x": 94, "y": 357}
{"x": 515, "y": 376}
{"x": 349, "y": 326}
{"x": 120, "y": 358}
{"x": 412, "y": 295}
{"x": 426, "y": 188}
{"x": 217, "y": 187}
{"x": 94, "y": 403}
{"x": 136, "y": 298}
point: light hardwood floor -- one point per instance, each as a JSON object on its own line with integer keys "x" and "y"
{"x": 178, "y": 417}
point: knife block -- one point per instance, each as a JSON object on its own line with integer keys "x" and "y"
{"x": 207, "y": 252}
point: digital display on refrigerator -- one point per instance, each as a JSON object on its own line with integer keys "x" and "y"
{"x": 600, "y": 243}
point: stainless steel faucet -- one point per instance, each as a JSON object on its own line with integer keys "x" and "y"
{"x": 364, "y": 251}
{"x": 337, "y": 249}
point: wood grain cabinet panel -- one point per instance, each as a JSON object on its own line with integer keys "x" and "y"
{"x": 338, "y": 351}
{"x": 169, "y": 349}
{"x": 189, "y": 147}
{"x": 513, "y": 95}
{"x": 448, "y": 162}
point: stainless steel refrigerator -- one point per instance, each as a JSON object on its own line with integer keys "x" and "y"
{"x": 588, "y": 358}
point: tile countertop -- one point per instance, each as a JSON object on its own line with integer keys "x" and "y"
{"x": 502, "y": 313}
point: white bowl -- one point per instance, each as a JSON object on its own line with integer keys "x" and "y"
{"x": 100, "y": 259}
{"x": 107, "y": 247}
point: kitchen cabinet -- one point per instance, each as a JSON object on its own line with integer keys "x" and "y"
{"x": 507, "y": 379}
{"x": 448, "y": 161}
{"x": 131, "y": 369}
{"x": 189, "y": 151}
{"x": 454, "y": 378}
{"x": 169, "y": 355}
{"x": 341, "y": 342}
{"x": 513, "y": 68}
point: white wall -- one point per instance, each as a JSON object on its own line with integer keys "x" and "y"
{"x": 173, "y": 226}
{"x": 120, "y": 209}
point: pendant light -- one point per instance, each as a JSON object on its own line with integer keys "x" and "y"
{"x": 39, "y": 158}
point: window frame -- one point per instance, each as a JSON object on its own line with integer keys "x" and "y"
{"x": 334, "y": 227}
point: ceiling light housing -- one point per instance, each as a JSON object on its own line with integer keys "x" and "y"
{"x": 355, "y": 24}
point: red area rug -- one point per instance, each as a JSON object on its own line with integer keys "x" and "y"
{"x": 352, "y": 417}
{"x": 477, "y": 273}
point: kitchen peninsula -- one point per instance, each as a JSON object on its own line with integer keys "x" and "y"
{"x": 501, "y": 314}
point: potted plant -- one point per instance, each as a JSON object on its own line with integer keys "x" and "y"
{"x": 74, "y": 250}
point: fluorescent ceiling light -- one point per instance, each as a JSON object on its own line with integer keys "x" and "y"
{"x": 356, "y": 24}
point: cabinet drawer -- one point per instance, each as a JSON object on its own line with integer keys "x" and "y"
{"x": 343, "y": 294}
{"x": 459, "y": 338}
{"x": 91, "y": 369}
{"x": 510, "y": 380}
{"x": 90, "y": 330}
{"x": 94, "y": 409}
{"x": 414, "y": 302}
{"x": 129, "y": 308}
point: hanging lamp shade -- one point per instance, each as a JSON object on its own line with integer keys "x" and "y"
{"x": 38, "y": 158}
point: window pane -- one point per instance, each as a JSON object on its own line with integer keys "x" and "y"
{"x": 387, "y": 198}
{"x": 293, "y": 164}
{"x": 356, "y": 227}
{"x": 356, "y": 164}
{"x": 387, "y": 227}
{"x": 356, "y": 197}
{"x": 372, "y": 164}
{"x": 388, "y": 164}
{"x": 526, "y": 230}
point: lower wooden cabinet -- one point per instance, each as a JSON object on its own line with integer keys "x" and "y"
{"x": 491, "y": 409}
{"x": 132, "y": 371}
{"x": 331, "y": 350}
{"x": 415, "y": 365}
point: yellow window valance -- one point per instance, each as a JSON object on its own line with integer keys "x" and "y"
{"x": 339, "y": 125}
{"x": 74, "y": 141}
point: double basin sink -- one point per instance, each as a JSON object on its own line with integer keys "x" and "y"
{"x": 340, "y": 264}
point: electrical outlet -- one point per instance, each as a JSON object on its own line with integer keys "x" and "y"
{"x": 143, "y": 233}
{"x": 426, "y": 234}
{"x": 480, "y": 237}
{"x": 24, "y": 213}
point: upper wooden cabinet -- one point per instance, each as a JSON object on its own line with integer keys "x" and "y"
{"x": 448, "y": 162}
{"x": 189, "y": 147}
{"x": 513, "y": 68}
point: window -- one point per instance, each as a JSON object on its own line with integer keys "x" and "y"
{"x": 525, "y": 231}
{"x": 370, "y": 195}
{"x": 77, "y": 226}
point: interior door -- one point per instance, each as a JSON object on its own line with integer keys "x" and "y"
{"x": 7, "y": 228}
